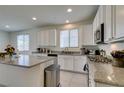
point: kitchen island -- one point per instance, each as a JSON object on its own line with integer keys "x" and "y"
{"x": 24, "y": 71}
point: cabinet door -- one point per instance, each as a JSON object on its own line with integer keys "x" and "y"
{"x": 101, "y": 14}
{"x": 94, "y": 29}
{"x": 87, "y": 32}
{"x": 65, "y": 62}
{"x": 119, "y": 21}
{"x": 40, "y": 38}
{"x": 68, "y": 63}
{"x": 108, "y": 23}
{"x": 61, "y": 61}
{"x": 79, "y": 62}
{"x": 52, "y": 37}
{"x": 97, "y": 19}
{"x": 46, "y": 37}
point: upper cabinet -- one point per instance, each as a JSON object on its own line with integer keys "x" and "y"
{"x": 108, "y": 23}
{"x": 87, "y": 35}
{"x": 99, "y": 18}
{"x": 101, "y": 14}
{"x": 46, "y": 38}
{"x": 113, "y": 19}
{"x": 52, "y": 37}
{"x": 119, "y": 21}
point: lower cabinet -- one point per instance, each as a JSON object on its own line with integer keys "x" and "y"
{"x": 79, "y": 62}
{"x": 65, "y": 62}
{"x": 72, "y": 63}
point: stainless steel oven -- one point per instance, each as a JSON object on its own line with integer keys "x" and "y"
{"x": 99, "y": 34}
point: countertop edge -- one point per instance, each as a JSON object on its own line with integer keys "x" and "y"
{"x": 28, "y": 66}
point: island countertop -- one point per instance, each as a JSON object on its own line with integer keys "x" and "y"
{"x": 26, "y": 60}
{"x": 108, "y": 74}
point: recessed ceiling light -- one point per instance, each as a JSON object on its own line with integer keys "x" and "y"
{"x": 34, "y": 18}
{"x": 67, "y": 21}
{"x": 7, "y": 26}
{"x": 69, "y": 10}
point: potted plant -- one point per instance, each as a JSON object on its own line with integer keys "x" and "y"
{"x": 10, "y": 50}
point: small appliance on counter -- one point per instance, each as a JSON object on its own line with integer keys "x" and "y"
{"x": 97, "y": 52}
{"x": 88, "y": 49}
{"x": 43, "y": 50}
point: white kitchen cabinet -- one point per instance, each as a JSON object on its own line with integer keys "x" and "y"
{"x": 101, "y": 14}
{"x": 52, "y": 37}
{"x": 61, "y": 61}
{"x": 46, "y": 38}
{"x": 97, "y": 19}
{"x": 94, "y": 29}
{"x": 65, "y": 62}
{"x": 68, "y": 63}
{"x": 112, "y": 18}
{"x": 79, "y": 62}
{"x": 94, "y": 24}
{"x": 87, "y": 35}
{"x": 119, "y": 23}
{"x": 72, "y": 63}
{"x": 108, "y": 23}
{"x": 42, "y": 39}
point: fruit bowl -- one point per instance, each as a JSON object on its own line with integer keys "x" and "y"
{"x": 118, "y": 57}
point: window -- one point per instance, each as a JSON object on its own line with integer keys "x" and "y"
{"x": 69, "y": 38}
{"x": 23, "y": 42}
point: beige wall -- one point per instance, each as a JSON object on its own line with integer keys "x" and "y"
{"x": 4, "y": 40}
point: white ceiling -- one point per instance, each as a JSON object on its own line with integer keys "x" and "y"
{"x": 20, "y": 17}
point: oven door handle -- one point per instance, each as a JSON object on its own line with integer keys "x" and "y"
{"x": 86, "y": 68}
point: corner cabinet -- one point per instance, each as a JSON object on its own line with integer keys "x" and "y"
{"x": 46, "y": 38}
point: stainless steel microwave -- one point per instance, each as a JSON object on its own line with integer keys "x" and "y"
{"x": 99, "y": 34}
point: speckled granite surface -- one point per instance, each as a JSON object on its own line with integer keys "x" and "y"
{"x": 106, "y": 73}
{"x": 26, "y": 60}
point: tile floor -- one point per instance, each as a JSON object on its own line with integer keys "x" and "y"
{"x": 70, "y": 79}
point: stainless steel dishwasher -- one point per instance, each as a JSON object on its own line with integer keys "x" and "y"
{"x": 52, "y": 76}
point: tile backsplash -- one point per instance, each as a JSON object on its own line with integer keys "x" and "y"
{"x": 112, "y": 46}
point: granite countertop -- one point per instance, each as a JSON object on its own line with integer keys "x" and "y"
{"x": 26, "y": 60}
{"x": 108, "y": 74}
{"x": 60, "y": 53}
